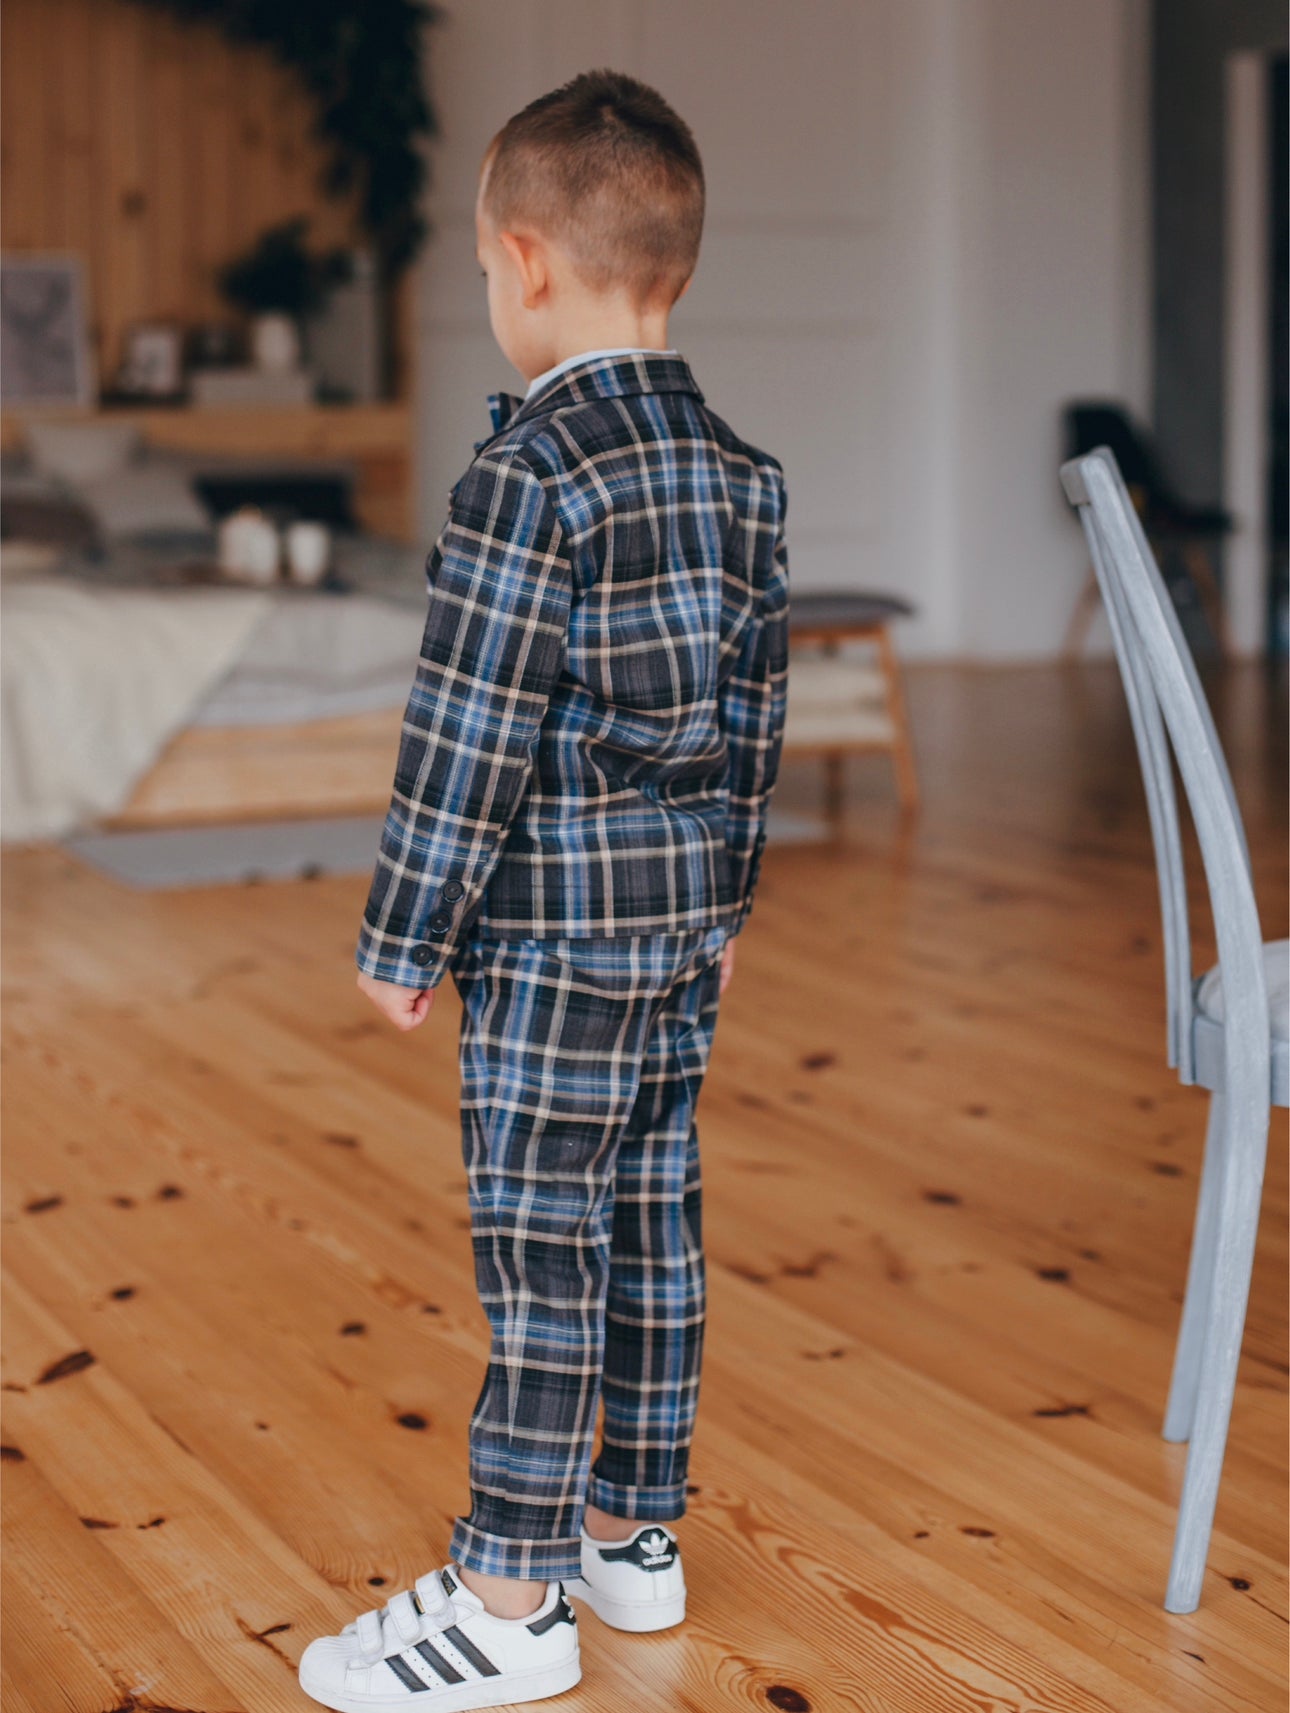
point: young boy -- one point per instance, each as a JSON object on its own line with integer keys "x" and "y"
{"x": 575, "y": 833}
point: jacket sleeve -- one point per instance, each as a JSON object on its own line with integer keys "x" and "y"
{"x": 753, "y": 703}
{"x": 493, "y": 647}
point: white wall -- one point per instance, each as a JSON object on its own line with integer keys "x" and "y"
{"x": 1054, "y": 293}
{"x": 926, "y": 227}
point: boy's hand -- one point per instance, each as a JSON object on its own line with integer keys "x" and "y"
{"x": 404, "y": 1006}
{"x": 727, "y": 966}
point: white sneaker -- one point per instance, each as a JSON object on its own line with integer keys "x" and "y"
{"x": 636, "y": 1584}
{"x": 435, "y": 1649}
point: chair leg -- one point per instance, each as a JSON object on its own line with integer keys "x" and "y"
{"x": 1181, "y": 1408}
{"x": 834, "y": 783}
{"x": 834, "y": 762}
{"x": 902, "y": 754}
{"x": 1200, "y": 568}
{"x": 1245, "y": 1145}
{"x": 1082, "y": 617}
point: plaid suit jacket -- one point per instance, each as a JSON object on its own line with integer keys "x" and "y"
{"x": 594, "y": 730}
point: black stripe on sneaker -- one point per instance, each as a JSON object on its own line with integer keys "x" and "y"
{"x": 561, "y": 1613}
{"x": 468, "y": 1651}
{"x": 404, "y": 1672}
{"x": 435, "y": 1660}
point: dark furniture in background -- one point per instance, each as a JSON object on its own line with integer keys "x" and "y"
{"x": 1184, "y": 537}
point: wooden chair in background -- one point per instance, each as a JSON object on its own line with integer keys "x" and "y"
{"x": 838, "y": 706}
{"x": 1185, "y": 537}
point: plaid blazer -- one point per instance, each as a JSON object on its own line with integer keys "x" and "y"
{"x": 594, "y": 729}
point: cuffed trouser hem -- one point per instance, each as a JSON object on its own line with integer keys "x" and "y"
{"x": 638, "y": 1504}
{"x": 502, "y": 1555}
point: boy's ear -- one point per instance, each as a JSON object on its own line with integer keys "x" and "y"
{"x": 529, "y": 256}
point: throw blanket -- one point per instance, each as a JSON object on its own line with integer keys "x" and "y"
{"x": 94, "y": 684}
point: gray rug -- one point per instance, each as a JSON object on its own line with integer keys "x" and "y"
{"x": 245, "y": 852}
{"x": 235, "y": 853}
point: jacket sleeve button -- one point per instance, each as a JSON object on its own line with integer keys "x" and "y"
{"x": 421, "y": 955}
{"x": 441, "y": 921}
{"x": 452, "y": 890}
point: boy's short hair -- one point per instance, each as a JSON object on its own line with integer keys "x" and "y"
{"x": 608, "y": 170}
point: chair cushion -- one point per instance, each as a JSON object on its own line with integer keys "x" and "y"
{"x": 836, "y": 701}
{"x": 1276, "y": 972}
{"x": 842, "y": 608}
{"x": 815, "y": 679}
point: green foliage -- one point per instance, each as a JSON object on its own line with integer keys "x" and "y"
{"x": 361, "y": 60}
{"x": 280, "y": 274}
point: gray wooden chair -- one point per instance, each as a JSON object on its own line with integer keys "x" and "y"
{"x": 1227, "y": 1030}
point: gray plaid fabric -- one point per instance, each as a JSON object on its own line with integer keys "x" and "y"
{"x": 594, "y": 729}
{"x": 582, "y": 1062}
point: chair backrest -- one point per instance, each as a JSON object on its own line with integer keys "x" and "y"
{"x": 1168, "y": 708}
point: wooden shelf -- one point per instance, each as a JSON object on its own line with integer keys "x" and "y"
{"x": 377, "y": 438}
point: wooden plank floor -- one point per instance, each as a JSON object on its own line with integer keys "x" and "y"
{"x": 949, "y": 1186}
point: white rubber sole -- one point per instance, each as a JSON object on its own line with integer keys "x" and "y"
{"x": 459, "y": 1697}
{"x": 637, "y": 1616}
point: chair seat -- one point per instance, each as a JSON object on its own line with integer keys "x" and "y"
{"x": 826, "y": 608}
{"x": 1276, "y": 972}
{"x": 1210, "y": 1015}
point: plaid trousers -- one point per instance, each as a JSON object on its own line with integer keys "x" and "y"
{"x": 581, "y": 1065}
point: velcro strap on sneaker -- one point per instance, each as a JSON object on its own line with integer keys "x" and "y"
{"x": 406, "y": 1615}
{"x": 367, "y": 1628}
{"x": 438, "y": 1608}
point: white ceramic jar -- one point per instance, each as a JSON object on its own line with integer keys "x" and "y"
{"x": 248, "y": 546}
{"x": 308, "y": 552}
{"x": 275, "y": 343}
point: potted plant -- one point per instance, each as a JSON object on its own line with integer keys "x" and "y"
{"x": 278, "y": 282}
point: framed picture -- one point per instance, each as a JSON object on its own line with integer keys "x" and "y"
{"x": 44, "y": 335}
{"x": 152, "y": 363}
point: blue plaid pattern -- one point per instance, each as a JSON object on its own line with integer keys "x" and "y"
{"x": 594, "y": 729}
{"x": 582, "y": 1062}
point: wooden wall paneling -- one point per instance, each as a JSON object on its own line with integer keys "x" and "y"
{"x": 21, "y": 92}
{"x": 157, "y": 151}
{"x": 282, "y": 146}
{"x": 49, "y": 146}
{"x": 258, "y": 93}
{"x": 121, "y": 95}
{"x": 71, "y": 163}
{"x": 195, "y": 42}
{"x": 212, "y": 185}
{"x": 175, "y": 280}
{"x": 251, "y": 74}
